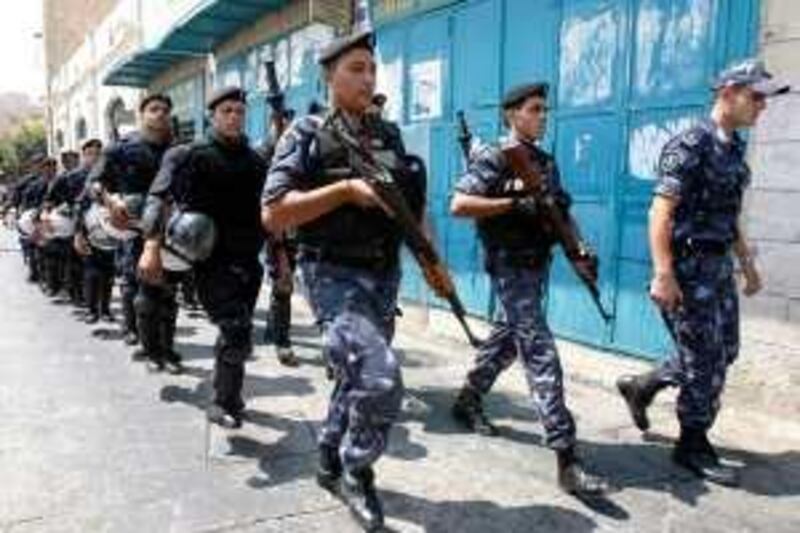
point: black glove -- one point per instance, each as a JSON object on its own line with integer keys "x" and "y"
{"x": 527, "y": 205}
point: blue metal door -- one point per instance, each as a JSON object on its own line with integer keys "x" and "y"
{"x": 676, "y": 47}
{"x": 588, "y": 119}
{"x": 476, "y": 91}
{"x": 625, "y": 76}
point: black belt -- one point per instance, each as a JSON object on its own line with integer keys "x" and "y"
{"x": 365, "y": 258}
{"x": 694, "y": 247}
{"x": 517, "y": 259}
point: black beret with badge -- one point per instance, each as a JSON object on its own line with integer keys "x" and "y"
{"x": 223, "y": 94}
{"x": 362, "y": 39}
{"x": 516, "y": 95}
{"x": 155, "y": 97}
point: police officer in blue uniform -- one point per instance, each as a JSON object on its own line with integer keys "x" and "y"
{"x": 221, "y": 177}
{"x": 64, "y": 194}
{"x": 281, "y": 254}
{"x": 56, "y": 249}
{"x": 348, "y": 254}
{"x": 97, "y": 264}
{"x": 23, "y": 199}
{"x": 281, "y": 262}
{"x": 517, "y": 249}
{"x": 128, "y": 168}
{"x": 41, "y": 255}
{"x": 695, "y": 228}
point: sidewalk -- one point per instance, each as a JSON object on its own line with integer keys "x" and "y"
{"x": 92, "y": 442}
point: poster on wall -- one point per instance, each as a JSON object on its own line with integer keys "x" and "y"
{"x": 426, "y": 90}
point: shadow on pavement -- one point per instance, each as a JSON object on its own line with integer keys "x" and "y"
{"x": 481, "y": 516}
{"x": 254, "y": 386}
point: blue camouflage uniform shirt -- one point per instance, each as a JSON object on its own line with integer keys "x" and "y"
{"x": 707, "y": 175}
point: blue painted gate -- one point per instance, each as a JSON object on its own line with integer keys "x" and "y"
{"x": 625, "y": 76}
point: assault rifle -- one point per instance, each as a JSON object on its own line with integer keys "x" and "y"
{"x": 364, "y": 164}
{"x": 582, "y": 258}
{"x": 279, "y": 117}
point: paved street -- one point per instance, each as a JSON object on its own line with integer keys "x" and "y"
{"x": 92, "y": 442}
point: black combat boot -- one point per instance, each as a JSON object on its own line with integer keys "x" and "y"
{"x": 638, "y": 392}
{"x": 329, "y": 469}
{"x": 358, "y": 491}
{"x": 286, "y": 356}
{"x": 573, "y": 479}
{"x": 694, "y": 452}
{"x": 468, "y": 410}
{"x": 216, "y": 414}
{"x": 172, "y": 359}
{"x": 150, "y": 336}
{"x": 130, "y": 331}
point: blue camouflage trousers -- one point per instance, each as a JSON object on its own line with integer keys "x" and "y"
{"x": 522, "y": 330}
{"x": 356, "y": 310}
{"x": 706, "y": 333}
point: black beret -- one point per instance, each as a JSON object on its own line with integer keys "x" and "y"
{"x": 520, "y": 93}
{"x": 362, "y": 39}
{"x": 230, "y": 92}
{"x": 92, "y": 143}
{"x": 155, "y": 97}
{"x": 37, "y": 159}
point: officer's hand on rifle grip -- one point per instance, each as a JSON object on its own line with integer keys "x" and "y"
{"x": 361, "y": 194}
{"x": 527, "y": 205}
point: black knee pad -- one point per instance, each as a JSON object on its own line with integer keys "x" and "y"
{"x": 234, "y": 343}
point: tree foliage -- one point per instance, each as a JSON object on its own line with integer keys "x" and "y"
{"x": 22, "y": 143}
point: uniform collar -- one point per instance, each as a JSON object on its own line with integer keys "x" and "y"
{"x": 719, "y": 135}
{"x": 217, "y": 139}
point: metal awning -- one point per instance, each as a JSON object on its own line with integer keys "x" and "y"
{"x": 197, "y": 33}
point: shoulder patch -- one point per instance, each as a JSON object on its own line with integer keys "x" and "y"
{"x": 672, "y": 161}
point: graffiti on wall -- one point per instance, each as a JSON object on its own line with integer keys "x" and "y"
{"x": 588, "y": 51}
{"x": 671, "y": 42}
{"x": 646, "y": 143}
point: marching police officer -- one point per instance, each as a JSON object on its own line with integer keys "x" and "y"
{"x": 220, "y": 177}
{"x": 694, "y": 226}
{"x": 281, "y": 261}
{"x": 281, "y": 253}
{"x": 97, "y": 272}
{"x": 349, "y": 258}
{"x": 64, "y": 194}
{"x": 125, "y": 172}
{"x": 41, "y": 255}
{"x": 21, "y": 201}
{"x": 517, "y": 254}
